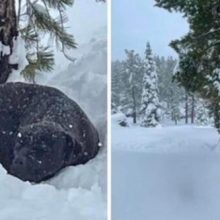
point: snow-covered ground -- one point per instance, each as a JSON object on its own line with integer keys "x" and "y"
{"x": 165, "y": 173}
{"x": 76, "y": 192}
{"x": 165, "y": 139}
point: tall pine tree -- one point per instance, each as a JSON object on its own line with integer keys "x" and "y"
{"x": 117, "y": 84}
{"x": 199, "y": 69}
{"x": 28, "y": 23}
{"x": 150, "y": 102}
{"x": 131, "y": 77}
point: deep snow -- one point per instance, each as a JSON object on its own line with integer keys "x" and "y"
{"x": 76, "y": 192}
{"x": 165, "y": 173}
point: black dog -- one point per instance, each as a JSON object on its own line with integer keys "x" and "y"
{"x": 42, "y": 131}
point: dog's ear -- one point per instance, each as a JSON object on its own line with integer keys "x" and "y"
{"x": 72, "y": 150}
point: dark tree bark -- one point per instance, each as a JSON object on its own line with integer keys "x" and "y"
{"x": 217, "y": 116}
{"x": 193, "y": 110}
{"x": 8, "y": 31}
{"x": 134, "y": 106}
{"x": 186, "y": 108}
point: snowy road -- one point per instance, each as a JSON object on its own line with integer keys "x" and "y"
{"x": 177, "y": 183}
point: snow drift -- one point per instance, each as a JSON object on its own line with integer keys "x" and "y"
{"x": 167, "y": 173}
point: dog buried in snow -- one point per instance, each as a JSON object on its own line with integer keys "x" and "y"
{"x": 42, "y": 131}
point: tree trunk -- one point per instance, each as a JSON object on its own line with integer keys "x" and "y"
{"x": 217, "y": 116}
{"x": 193, "y": 110}
{"x": 186, "y": 109}
{"x": 8, "y": 31}
{"x": 134, "y": 106}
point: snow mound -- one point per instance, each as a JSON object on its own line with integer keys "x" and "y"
{"x": 23, "y": 201}
{"x": 83, "y": 176}
{"x": 119, "y": 118}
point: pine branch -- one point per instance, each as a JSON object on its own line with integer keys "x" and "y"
{"x": 61, "y": 3}
{"x": 41, "y": 21}
{"x": 29, "y": 35}
{"x": 46, "y": 24}
{"x": 42, "y": 61}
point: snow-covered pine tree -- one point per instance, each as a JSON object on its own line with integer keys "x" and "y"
{"x": 27, "y": 23}
{"x": 150, "y": 108}
{"x": 25, "y": 26}
{"x": 175, "y": 112}
{"x": 202, "y": 115}
{"x": 117, "y": 83}
{"x": 131, "y": 76}
{"x": 199, "y": 50}
{"x": 169, "y": 92}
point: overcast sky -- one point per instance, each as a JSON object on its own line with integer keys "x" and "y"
{"x": 138, "y": 21}
{"x": 87, "y": 20}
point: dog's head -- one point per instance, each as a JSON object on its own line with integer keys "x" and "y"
{"x": 40, "y": 151}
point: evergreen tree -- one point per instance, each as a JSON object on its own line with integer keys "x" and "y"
{"x": 125, "y": 75}
{"x": 202, "y": 116}
{"x": 26, "y": 23}
{"x": 150, "y": 101}
{"x": 175, "y": 112}
{"x": 199, "y": 50}
{"x": 170, "y": 94}
{"x": 117, "y": 83}
{"x": 131, "y": 77}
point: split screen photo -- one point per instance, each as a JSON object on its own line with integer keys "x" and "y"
{"x": 109, "y": 110}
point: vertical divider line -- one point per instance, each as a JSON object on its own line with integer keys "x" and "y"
{"x": 109, "y": 153}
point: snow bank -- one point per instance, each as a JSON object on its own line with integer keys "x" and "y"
{"x": 119, "y": 118}
{"x": 165, "y": 139}
{"x": 23, "y": 201}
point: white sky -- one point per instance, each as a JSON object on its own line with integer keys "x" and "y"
{"x": 87, "y": 19}
{"x": 138, "y": 21}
